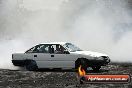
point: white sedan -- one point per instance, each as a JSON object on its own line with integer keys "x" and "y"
{"x": 60, "y": 55}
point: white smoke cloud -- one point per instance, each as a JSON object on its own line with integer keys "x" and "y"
{"x": 97, "y": 25}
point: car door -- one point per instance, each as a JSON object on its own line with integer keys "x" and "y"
{"x": 60, "y": 59}
{"x": 43, "y": 56}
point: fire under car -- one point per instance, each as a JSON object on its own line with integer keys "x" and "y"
{"x": 60, "y": 55}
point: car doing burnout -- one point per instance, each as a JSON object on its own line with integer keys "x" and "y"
{"x": 59, "y": 55}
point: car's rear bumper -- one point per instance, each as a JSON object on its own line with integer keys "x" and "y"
{"x": 18, "y": 62}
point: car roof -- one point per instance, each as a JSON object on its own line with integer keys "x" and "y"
{"x": 61, "y": 43}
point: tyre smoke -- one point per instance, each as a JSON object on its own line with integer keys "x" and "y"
{"x": 96, "y": 25}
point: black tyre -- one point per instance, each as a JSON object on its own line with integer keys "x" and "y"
{"x": 84, "y": 64}
{"x": 31, "y": 66}
{"x": 96, "y": 68}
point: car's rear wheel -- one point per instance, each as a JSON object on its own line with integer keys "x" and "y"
{"x": 31, "y": 66}
{"x": 96, "y": 68}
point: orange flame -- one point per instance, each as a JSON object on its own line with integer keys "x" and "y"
{"x": 81, "y": 71}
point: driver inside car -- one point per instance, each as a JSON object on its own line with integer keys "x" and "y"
{"x": 58, "y": 49}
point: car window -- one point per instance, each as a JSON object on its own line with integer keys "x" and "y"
{"x": 47, "y": 48}
{"x": 43, "y": 48}
{"x": 59, "y": 49}
{"x": 32, "y": 50}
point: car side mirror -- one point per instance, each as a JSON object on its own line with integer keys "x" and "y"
{"x": 66, "y": 52}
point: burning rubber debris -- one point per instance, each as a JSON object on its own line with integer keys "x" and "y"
{"x": 81, "y": 71}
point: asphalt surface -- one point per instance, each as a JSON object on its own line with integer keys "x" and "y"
{"x": 60, "y": 78}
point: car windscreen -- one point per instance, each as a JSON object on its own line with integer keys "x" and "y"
{"x": 71, "y": 47}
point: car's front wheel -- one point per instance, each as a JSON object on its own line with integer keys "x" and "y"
{"x": 84, "y": 65}
{"x": 81, "y": 62}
